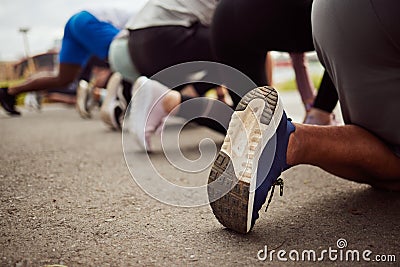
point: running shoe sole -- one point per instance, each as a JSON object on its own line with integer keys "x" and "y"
{"x": 232, "y": 179}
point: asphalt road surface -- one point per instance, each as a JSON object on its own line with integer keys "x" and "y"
{"x": 68, "y": 198}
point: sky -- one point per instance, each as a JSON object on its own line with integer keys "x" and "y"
{"x": 46, "y": 20}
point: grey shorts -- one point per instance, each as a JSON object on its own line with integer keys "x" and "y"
{"x": 358, "y": 42}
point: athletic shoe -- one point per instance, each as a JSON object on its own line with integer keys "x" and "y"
{"x": 8, "y": 101}
{"x": 84, "y": 99}
{"x": 251, "y": 159}
{"x": 114, "y": 105}
{"x": 147, "y": 112}
{"x": 33, "y": 101}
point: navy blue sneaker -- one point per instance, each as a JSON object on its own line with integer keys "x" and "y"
{"x": 251, "y": 159}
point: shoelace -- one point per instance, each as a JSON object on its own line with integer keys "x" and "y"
{"x": 279, "y": 182}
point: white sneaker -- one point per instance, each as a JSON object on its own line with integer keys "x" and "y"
{"x": 114, "y": 105}
{"x": 251, "y": 160}
{"x": 33, "y": 101}
{"x": 84, "y": 99}
{"x": 147, "y": 112}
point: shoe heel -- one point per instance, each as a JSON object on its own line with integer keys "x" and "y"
{"x": 230, "y": 209}
{"x": 269, "y": 94}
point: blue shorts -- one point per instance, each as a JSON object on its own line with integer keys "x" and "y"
{"x": 84, "y": 36}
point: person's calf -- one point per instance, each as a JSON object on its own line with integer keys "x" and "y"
{"x": 348, "y": 151}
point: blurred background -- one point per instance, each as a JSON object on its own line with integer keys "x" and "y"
{"x": 31, "y": 33}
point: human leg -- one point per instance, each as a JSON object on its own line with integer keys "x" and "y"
{"x": 93, "y": 61}
{"x": 269, "y": 65}
{"x": 261, "y": 143}
{"x": 71, "y": 56}
{"x": 244, "y": 55}
{"x": 304, "y": 83}
{"x": 94, "y": 78}
{"x": 66, "y": 74}
{"x": 367, "y": 85}
{"x": 354, "y": 154}
{"x": 158, "y": 48}
{"x": 321, "y": 113}
{"x": 79, "y": 39}
{"x": 210, "y": 113}
{"x": 153, "y": 102}
{"x": 240, "y": 42}
{"x": 327, "y": 96}
{"x": 366, "y": 70}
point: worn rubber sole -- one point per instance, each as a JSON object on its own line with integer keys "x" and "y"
{"x": 232, "y": 180}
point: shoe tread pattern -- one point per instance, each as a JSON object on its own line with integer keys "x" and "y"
{"x": 232, "y": 208}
